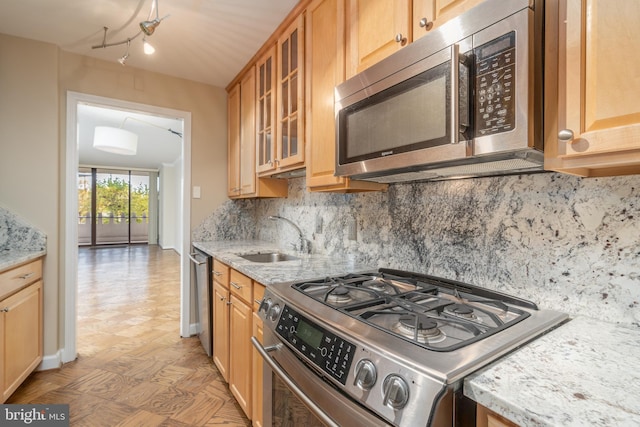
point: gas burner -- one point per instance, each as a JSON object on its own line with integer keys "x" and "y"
{"x": 420, "y": 328}
{"x": 380, "y": 285}
{"x": 460, "y": 310}
{"x": 338, "y": 295}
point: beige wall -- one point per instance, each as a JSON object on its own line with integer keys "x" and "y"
{"x": 34, "y": 80}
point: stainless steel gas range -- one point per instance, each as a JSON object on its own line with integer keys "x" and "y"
{"x": 384, "y": 347}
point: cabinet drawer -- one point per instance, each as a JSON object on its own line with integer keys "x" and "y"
{"x": 221, "y": 273}
{"x": 258, "y": 294}
{"x": 240, "y": 285}
{"x": 17, "y": 278}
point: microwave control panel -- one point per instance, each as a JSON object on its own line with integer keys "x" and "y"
{"x": 495, "y": 69}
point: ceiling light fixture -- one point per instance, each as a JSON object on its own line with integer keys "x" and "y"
{"x": 146, "y": 46}
{"x": 120, "y": 141}
{"x": 147, "y": 27}
{"x": 115, "y": 140}
{"x": 124, "y": 57}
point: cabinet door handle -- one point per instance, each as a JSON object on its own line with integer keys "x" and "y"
{"x": 222, "y": 298}
{"x": 426, "y": 24}
{"x": 228, "y": 302}
{"x": 217, "y": 273}
{"x": 565, "y": 135}
{"x": 400, "y": 38}
{"x": 26, "y": 276}
{"x": 235, "y": 285}
{"x": 5, "y": 310}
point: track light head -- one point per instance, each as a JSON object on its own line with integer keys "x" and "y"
{"x": 148, "y": 27}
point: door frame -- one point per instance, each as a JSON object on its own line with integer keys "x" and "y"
{"x": 70, "y": 267}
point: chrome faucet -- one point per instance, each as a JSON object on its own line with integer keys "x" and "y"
{"x": 305, "y": 245}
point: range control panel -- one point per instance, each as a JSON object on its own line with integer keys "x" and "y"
{"x": 495, "y": 97}
{"x": 329, "y": 352}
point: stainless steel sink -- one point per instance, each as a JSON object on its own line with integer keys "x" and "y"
{"x": 268, "y": 257}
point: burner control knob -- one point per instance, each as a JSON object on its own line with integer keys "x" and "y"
{"x": 366, "y": 374}
{"x": 265, "y": 305}
{"x": 396, "y": 392}
{"x": 274, "y": 312}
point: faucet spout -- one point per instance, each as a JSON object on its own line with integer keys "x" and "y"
{"x": 305, "y": 245}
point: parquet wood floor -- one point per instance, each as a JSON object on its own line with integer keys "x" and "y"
{"x": 133, "y": 369}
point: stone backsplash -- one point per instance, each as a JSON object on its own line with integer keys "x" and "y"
{"x": 564, "y": 242}
{"x": 17, "y": 235}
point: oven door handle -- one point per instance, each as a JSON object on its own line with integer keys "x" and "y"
{"x": 317, "y": 411}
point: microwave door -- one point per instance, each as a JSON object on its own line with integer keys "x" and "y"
{"x": 406, "y": 123}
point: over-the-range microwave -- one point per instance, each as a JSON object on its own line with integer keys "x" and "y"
{"x": 464, "y": 100}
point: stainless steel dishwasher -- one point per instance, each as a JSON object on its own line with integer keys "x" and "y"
{"x": 203, "y": 265}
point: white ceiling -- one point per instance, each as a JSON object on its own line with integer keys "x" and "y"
{"x": 207, "y": 41}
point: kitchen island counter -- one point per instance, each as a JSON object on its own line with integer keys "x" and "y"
{"x": 584, "y": 373}
{"x": 307, "y": 267}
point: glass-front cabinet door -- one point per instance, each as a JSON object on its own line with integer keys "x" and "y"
{"x": 290, "y": 74}
{"x": 266, "y": 101}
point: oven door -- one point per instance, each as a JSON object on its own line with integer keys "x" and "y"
{"x": 294, "y": 395}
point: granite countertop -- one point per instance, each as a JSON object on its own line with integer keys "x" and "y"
{"x": 306, "y": 268}
{"x": 12, "y": 258}
{"x": 584, "y": 373}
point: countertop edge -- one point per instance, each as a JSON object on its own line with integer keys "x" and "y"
{"x": 307, "y": 267}
{"x": 12, "y": 259}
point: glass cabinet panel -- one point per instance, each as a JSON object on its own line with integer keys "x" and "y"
{"x": 290, "y": 96}
{"x": 265, "y": 98}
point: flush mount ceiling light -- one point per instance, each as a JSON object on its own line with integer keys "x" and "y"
{"x": 147, "y": 27}
{"x": 115, "y": 140}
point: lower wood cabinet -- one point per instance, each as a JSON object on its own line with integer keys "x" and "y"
{"x": 221, "y": 329}
{"x": 485, "y": 417}
{"x": 20, "y": 325}
{"x": 240, "y": 349}
{"x": 236, "y": 299}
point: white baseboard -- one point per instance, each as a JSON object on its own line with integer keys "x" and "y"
{"x": 51, "y": 361}
{"x": 193, "y": 329}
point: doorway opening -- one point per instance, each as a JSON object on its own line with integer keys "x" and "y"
{"x": 180, "y": 201}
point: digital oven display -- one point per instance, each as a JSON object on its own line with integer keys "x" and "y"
{"x": 329, "y": 352}
{"x": 309, "y": 334}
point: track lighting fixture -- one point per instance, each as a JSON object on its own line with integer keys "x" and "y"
{"x": 147, "y": 27}
{"x": 147, "y": 48}
{"x": 124, "y": 57}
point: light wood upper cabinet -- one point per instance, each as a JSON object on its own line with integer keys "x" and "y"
{"x": 266, "y": 108}
{"x": 598, "y": 120}
{"x": 242, "y": 178}
{"x": 290, "y": 97}
{"x": 376, "y": 29}
{"x": 233, "y": 135}
{"x": 430, "y": 14}
{"x": 248, "y": 132}
{"x": 325, "y": 68}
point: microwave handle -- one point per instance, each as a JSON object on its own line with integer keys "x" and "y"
{"x": 455, "y": 93}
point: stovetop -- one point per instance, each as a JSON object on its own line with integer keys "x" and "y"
{"x": 431, "y": 312}
{"x": 396, "y": 342}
